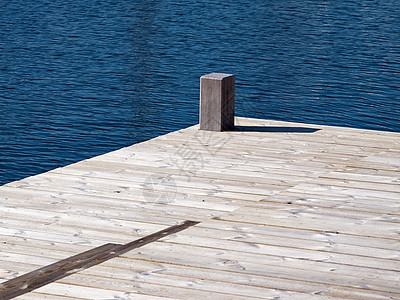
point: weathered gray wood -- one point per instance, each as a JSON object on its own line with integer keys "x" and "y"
{"x": 217, "y": 102}
{"x": 287, "y": 210}
{"x": 43, "y": 276}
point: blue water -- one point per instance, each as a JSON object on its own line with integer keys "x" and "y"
{"x": 81, "y": 78}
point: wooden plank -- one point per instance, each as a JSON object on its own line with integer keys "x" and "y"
{"x": 197, "y": 180}
{"x": 341, "y": 130}
{"x": 146, "y": 270}
{"x": 152, "y": 212}
{"x": 257, "y": 239}
{"x": 240, "y": 244}
{"x": 127, "y": 264}
{"x": 182, "y": 183}
{"x": 252, "y": 263}
{"x": 358, "y": 184}
{"x": 39, "y": 296}
{"x": 292, "y": 252}
{"x": 286, "y": 212}
{"x": 341, "y": 202}
{"x": 246, "y": 228}
{"x": 105, "y": 207}
{"x": 109, "y": 187}
{"x": 114, "y": 169}
{"x": 343, "y": 175}
{"x": 70, "y": 223}
{"x": 310, "y": 221}
{"x": 332, "y": 211}
{"x": 350, "y": 191}
{"x": 220, "y": 156}
{"x": 77, "y": 292}
{"x": 59, "y": 251}
{"x": 122, "y": 268}
{"x": 98, "y": 235}
{"x": 43, "y": 276}
{"x": 226, "y": 146}
{"x": 188, "y": 288}
{"x": 283, "y": 142}
{"x": 232, "y": 167}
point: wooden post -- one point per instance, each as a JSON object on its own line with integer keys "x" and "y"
{"x": 217, "y": 102}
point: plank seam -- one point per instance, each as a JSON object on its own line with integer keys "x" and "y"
{"x": 50, "y": 273}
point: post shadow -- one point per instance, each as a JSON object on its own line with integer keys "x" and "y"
{"x": 217, "y": 107}
{"x": 281, "y": 129}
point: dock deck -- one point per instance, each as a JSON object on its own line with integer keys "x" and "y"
{"x": 285, "y": 211}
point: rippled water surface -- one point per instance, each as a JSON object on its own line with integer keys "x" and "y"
{"x": 81, "y": 78}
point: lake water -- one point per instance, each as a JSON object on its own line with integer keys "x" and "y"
{"x": 81, "y": 78}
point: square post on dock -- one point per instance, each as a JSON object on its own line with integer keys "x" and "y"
{"x": 217, "y": 102}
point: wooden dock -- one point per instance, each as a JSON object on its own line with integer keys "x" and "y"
{"x": 285, "y": 211}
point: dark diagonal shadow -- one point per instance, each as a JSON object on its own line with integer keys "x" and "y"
{"x": 276, "y": 129}
{"x": 82, "y": 261}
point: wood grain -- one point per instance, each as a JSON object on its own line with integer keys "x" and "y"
{"x": 288, "y": 210}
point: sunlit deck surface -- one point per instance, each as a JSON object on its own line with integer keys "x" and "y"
{"x": 286, "y": 211}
